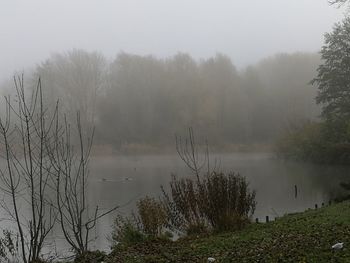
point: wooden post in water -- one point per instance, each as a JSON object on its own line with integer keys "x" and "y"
{"x": 267, "y": 219}
{"x": 316, "y": 206}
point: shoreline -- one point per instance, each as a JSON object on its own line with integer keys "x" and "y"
{"x": 144, "y": 149}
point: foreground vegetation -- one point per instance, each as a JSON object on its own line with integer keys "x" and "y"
{"x": 302, "y": 237}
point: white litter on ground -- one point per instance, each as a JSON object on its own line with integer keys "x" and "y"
{"x": 338, "y": 246}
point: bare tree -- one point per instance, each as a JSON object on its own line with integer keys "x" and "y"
{"x": 23, "y": 133}
{"x": 46, "y": 173}
{"x": 70, "y": 162}
{"x": 188, "y": 151}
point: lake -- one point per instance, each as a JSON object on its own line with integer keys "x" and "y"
{"x": 121, "y": 180}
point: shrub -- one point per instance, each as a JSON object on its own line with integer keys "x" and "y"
{"x": 300, "y": 142}
{"x": 182, "y": 206}
{"x": 216, "y": 202}
{"x": 126, "y": 232}
{"x": 227, "y": 202}
{"x": 149, "y": 222}
{"x": 316, "y": 142}
{"x": 152, "y": 217}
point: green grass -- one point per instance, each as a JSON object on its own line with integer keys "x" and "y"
{"x": 302, "y": 237}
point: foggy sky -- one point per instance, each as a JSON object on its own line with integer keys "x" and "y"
{"x": 245, "y": 30}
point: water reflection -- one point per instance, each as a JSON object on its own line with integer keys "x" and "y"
{"x": 124, "y": 179}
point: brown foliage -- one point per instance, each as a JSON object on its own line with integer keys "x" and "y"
{"x": 152, "y": 216}
{"x": 215, "y": 201}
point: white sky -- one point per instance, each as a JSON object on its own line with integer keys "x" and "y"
{"x": 31, "y": 30}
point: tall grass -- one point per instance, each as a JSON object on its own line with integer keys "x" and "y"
{"x": 148, "y": 222}
{"x": 152, "y": 217}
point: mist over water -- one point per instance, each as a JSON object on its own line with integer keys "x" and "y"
{"x": 124, "y": 179}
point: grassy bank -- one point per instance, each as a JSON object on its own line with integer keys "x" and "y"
{"x": 302, "y": 237}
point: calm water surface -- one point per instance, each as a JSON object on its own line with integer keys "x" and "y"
{"x": 121, "y": 180}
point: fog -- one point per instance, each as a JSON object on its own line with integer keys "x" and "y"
{"x": 106, "y": 102}
{"x": 238, "y": 72}
{"x": 136, "y": 101}
{"x": 246, "y": 31}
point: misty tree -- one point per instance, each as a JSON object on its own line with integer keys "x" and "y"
{"x": 146, "y": 93}
{"x": 184, "y": 87}
{"x": 76, "y": 78}
{"x": 333, "y": 82}
{"x": 333, "y": 78}
{"x": 225, "y": 97}
{"x": 289, "y": 98}
{"x": 162, "y": 96}
{"x": 130, "y": 98}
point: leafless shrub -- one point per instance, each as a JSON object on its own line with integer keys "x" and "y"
{"x": 23, "y": 134}
{"x": 226, "y": 201}
{"x": 211, "y": 200}
{"x": 183, "y": 205}
{"x": 42, "y": 159}
{"x": 190, "y": 154}
{"x": 216, "y": 201}
{"x": 70, "y": 163}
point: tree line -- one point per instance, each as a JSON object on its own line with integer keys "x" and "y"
{"x": 137, "y": 99}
